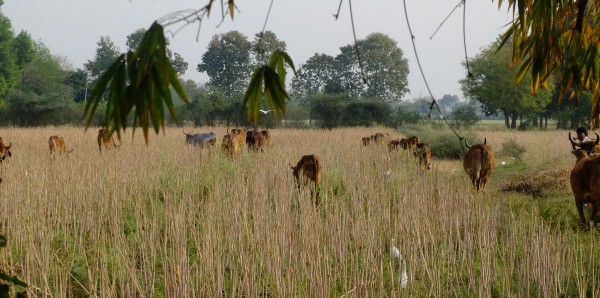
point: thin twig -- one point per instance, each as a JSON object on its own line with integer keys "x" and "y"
{"x": 360, "y": 64}
{"x": 451, "y": 12}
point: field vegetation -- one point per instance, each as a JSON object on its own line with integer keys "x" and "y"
{"x": 167, "y": 219}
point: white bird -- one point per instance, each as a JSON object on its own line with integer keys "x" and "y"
{"x": 395, "y": 252}
{"x": 403, "y": 276}
{"x": 503, "y": 163}
{"x": 265, "y": 112}
{"x": 388, "y": 173}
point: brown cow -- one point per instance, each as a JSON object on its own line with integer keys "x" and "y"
{"x": 585, "y": 183}
{"x": 4, "y": 150}
{"x": 230, "y": 145}
{"x": 267, "y": 136}
{"x": 57, "y": 144}
{"x": 379, "y": 138}
{"x": 411, "y": 143}
{"x": 479, "y": 163}
{"x": 255, "y": 140}
{"x": 366, "y": 141}
{"x": 310, "y": 166}
{"x": 394, "y": 145}
{"x": 239, "y": 135}
{"x": 104, "y": 142}
{"x": 423, "y": 153}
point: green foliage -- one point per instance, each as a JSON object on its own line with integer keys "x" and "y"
{"x": 9, "y": 71}
{"x": 464, "y": 117}
{"x": 511, "y": 148}
{"x": 142, "y": 80}
{"x": 326, "y": 110}
{"x": 7, "y": 280}
{"x": 268, "y": 80}
{"x": 366, "y": 113}
{"x": 106, "y": 55}
{"x": 402, "y": 116}
{"x": 442, "y": 142}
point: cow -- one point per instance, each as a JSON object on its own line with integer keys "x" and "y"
{"x": 4, "y": 150}
{"x": 394, "y": 145}
{"x": 366, "y": 141}
{"x": 411, "y": 143}
{"x": 267, "y": 136}
{"x": 585, "y": 184}
{"x": 379, "y": 138}
{"x": 479, "y": 163}
{"x": 201, "y": 139}
{"x": 423, "y": 153}
{"x": 230, "y": 145}
{"x": 239, "y": 135}
{"x": 255, "y": 140}
{"x": 308, "y": 169}
{"x": 57, "y": 144}
{"x": 104, "y": 142}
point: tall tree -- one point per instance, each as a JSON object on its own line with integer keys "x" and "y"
{"x": 318, "y": 75}
{"x": 40, "y": 97}
{"x": 106, "y": 54}
{"x": 9, "y": 70}
{"x": 227, "y": 62}
{"x": 493, "y": 84}
{"x": 78, "y": 81}
{"x": 383, "y": 66}
{"x": 263, "y": 46}
{"x": 24, "y": 49}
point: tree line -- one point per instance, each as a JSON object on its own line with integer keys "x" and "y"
{"x": 41, "y": 88}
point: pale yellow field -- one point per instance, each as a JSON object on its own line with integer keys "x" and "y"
{"x": 166, "y": 219}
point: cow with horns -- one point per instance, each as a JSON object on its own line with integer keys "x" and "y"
{"x": 479, "y": 163}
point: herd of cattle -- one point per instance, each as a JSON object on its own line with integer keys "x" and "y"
{"x": 478, "y": 162}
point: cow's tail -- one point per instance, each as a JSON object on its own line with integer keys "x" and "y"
{"x": 482, "y": 166}
{"x": 316, "y": 176}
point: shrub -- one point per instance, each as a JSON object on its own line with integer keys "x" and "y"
{"x": 513, "y": 149}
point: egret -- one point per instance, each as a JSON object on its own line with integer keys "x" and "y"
{"x": 395, "y": 251}
{"x": 503, "y": 163}
{"x": 403, "y": 276}
{"x": 265, "y": 112}
{"x": 387, "y": 174}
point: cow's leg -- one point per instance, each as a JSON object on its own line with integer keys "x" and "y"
{"x": 594, "y": 213}
{"x": 579, "y": 205}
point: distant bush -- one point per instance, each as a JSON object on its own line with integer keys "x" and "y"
{"x": 443, "y": 143}
{"x": 513, "y": 149}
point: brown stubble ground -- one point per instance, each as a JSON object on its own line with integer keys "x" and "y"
{"x": 166, "y": 219}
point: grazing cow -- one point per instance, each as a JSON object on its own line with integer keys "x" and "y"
{"x": 411, "y": 143}
{"x": 104, "y": 142}
{"x": 4, "y": 150}
{"x": 255, "y": 140}
{"x": 366, "y": 141}
{"x": 57, "y": 144}
{"x": 239, "y": 135}
{"x": 393, "y": 145}
{"x": 308, "y": 169}
{"x": 201, "y": 139}
{"x": 423, "y": 153}
{"x": 479, "y": 163}
{"x": 267, "y": 136}
{"x": 585, "y": 183}
{"x": 379, "y": 138}
{"x": 230, "y": 145}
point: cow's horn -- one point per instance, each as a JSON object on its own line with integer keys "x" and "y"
{"x": 484, "y": 141}
{"x": 597, "y": 139}
{"x": 467, "y": 143}
{"x": 8, "y": 147}
{"x": 185, "y": 133}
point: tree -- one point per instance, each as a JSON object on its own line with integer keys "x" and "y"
{"x": 40, "y": 97}
{"x": 383, "y": 66}
{"x": 227, "y": 62}
{"x": 106, "y": 54}
{"x": 366, "y": 112}
{"x": 317, "y": 75}
{"x": 9, "y": 71}
{"x": 492, "y": 83}
{"x": 24, "y": 49}
{"x": 263, "y": 46}
{"x": 464, "y": 116}
{"x": 78, "y": 81}
{"x": 326, "y": 110}
{"x": 557, "y": 37}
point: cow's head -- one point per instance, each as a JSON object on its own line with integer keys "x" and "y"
{"x": 6, "y": 152}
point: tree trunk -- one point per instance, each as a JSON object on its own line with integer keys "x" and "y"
{"x": 513, "y": 122}
{"x": 506, "y": 122}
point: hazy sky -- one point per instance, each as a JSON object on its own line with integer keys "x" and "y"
{"x": 72, "y": 28}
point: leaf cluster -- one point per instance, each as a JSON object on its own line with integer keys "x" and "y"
{"x": 5, "y": 288}
{"x": 268, "y": 80}
{"x": 139, "y": 80}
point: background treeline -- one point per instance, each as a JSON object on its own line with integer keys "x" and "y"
{"x": 40, "y": 88}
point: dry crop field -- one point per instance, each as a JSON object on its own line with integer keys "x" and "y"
{"x": 167, "y": 219}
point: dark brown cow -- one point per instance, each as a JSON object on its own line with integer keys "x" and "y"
{"x": 4, "y": 150}
{"x": 394, "y": 145}
{"x": 479, "y": 163}
{"x": 308, "y": 169}
{"x": 57, "y": 144}
{"x": 106, "y": 143}
{"x": 267, "y": 136}
{"x": 411, "y": 143}
{"x": 366, "y": 141}
{"x": 255, "y": 140}
{"x": 423, "y": 153}
{"x": 585, "y": 184}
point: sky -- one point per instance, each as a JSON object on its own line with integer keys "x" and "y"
{"x": 72, "y": 29}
